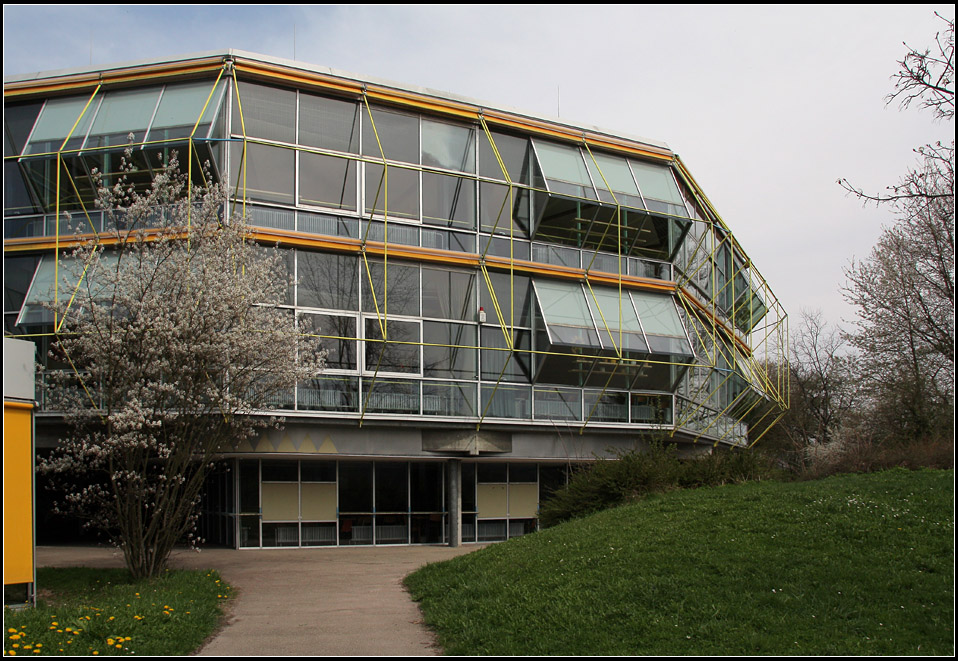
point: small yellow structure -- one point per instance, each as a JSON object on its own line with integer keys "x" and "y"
{"x": 19, "y": 538}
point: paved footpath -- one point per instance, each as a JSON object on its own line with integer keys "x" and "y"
{"x": 324, "y": 601}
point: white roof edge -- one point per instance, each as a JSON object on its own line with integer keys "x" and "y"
{"x": 313, "y": 68}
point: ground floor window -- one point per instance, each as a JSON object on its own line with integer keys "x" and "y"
{"x": 305, "y": 503}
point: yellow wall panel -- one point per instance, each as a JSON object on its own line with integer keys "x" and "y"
{"x": 280, "y": 501}
{"x": 319, "y": 502}
{"x": 491, "y": 501}
{"x": 523, "y": 500}
{"x": 17, "y": 493}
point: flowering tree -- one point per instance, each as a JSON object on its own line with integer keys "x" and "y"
{"x": 177, "y": 347}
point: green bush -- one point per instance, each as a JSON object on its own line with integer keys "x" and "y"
{"x": 634, "y": 474}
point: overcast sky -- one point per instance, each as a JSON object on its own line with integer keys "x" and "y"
{"x": 767, "y": 106}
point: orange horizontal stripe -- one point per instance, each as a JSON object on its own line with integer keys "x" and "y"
{"x": 18, "y": 405}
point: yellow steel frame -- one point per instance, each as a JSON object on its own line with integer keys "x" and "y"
{"x": 59, "y": 244}
{"x": 714, "y": 334}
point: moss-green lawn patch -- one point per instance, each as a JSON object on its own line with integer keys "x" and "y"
{"x": 852, "y": 564}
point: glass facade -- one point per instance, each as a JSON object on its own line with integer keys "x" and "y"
{"x": 463, "y": 268}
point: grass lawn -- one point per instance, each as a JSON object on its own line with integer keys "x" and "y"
{"x": 102, "y": 611}
{"x": 852, "y": 564}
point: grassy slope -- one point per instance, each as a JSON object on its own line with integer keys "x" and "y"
{"x": 853, "y": 564}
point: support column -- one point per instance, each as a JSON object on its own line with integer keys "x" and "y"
{"x": 454, "y": 500}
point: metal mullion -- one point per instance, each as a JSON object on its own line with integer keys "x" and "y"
{"x": 588, "y": 172}
{"x": 678, "y": 186}
{"x": 591, "y": 293}
{"x": 637, "y": 187}
{"x": 96, "y": 111}
{"x": 149, "y": 124}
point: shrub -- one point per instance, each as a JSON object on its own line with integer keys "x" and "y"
{"x": 634, "y": 474}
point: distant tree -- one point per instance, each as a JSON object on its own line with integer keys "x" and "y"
{"x": 904, "y": 291}
{"x": 178, "y": 348}
{"x": 823, "y": 393}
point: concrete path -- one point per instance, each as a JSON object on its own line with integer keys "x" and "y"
{"x": 324, "y": 601}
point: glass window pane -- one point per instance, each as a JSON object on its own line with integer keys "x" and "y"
{"x": 448, "y": 201}
{"x": 656, "y": 181}
{"x": 613, "y": 172}
{"x": 426, "y": 487}
{"x": 448, "y": 146}
{"x": 327, "y": 181}
{"x": 17, "y": 274}
{"x": 56, "y": 122}
{"x": 663, "y": 327}
{"x": 607, "y": 407}
{"x": 514, "y": 296}
{"x": 328, "y": 393}
{"x": 448, "y": 294}
{"x": 564, "y": 165}
{"x": 398, "y": 353}
{"x": 398, "y": 134}
{"x": 566, "y": 313}
{"x": 356, "y": 486}
{"x": 488, "y": 473}
{"x": 18, "y": 121}
{"x": 280, "y": 471}
{"x": 449, "y": 350}
{"x": 658, "y": 314}
{"x": 328, "y": 123}
{"x": 515, "y": 366}
{"x": 391, "y": 396}
{"x": 558, "y": 404}
{"x": 338, "y": 338}
{"x": 181, "y": 107}
{"x": 502, "y": 212}
{"x": 522, "y": 473}
{"x": 327, "y": 281}
{"x": 449, "y": 398}
{"x": 122, "y": 113}
{"x": 394, "y": 194}
{"x": 318, "y": 471}
{"x": 446, "y": 240}
{"x": 392, "y": 487}
{"x": 268, "y": 112}
{"x": 269, "y": 172}
{"x": 606, "y": 309}
{"x": 403, "y": 281}
{"x": 513, "y": 151}
{"x": 16, "y": 196}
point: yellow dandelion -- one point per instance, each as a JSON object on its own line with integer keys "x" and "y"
{"x": 118, "y": 646}
{"x": 109, "y": 641}
{"x": 127, "y": 638}
{"x": 11, "y": 630}
{"x": 11, "y": 652}
{"x": 15, "y": 636}
{"x": 95, "y": 652}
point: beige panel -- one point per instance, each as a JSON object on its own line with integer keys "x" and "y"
{"x": 491, "y": 501}
{"x": 319, "y": 501}
{"x": 280, "y": 501}
{"x": 523, "y": 500}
